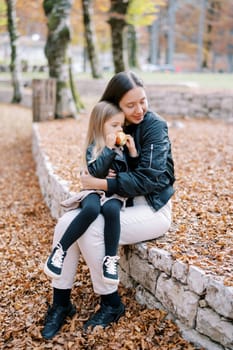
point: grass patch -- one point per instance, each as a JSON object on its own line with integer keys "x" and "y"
{"x": 202, "y": 80}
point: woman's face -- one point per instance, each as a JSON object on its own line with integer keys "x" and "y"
{"x": 134, "y": 105}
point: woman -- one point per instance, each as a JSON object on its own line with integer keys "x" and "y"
{"x": 151, "y": 187}
{"x": 102, "y": 153}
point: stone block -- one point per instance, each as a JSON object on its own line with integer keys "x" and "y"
{"x": 220, "y": 298}
{"x": 125, "y": 278}
{"x": 227, "y": 103}
{"x": 197, "y": 280}
{"x": 141, "y": 249}
{"x": 199, "y": 340}
{"x": 177, "y": 299}
{"x": 161, "y": 259}
{"x": 144, "y": 297}
{"x": 143, "y": 273}
{"x": 215, "y": 114}
{"x": 215, "y": 327}
{"x": 214, "y": 102}
{"x": 124, "y": 258}
{"x": 179, "y": 271}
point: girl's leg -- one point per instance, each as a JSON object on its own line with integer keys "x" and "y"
{"x": 90, "y": 210}
{"x": 72, "y": 256}
{"x": 111, "y": 212}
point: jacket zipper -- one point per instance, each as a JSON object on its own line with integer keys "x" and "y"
{"x": 151, "y": 154}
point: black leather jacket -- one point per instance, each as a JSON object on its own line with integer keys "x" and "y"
{"x": 153, "y": 177}
{"x": 109, "y": 159}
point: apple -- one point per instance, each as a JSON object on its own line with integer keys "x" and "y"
{"x": 121, "y": 138}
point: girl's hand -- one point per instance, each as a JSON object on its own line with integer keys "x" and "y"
{"x": 111, "y": 174}
{"x": 110, "y": 140}
{"x": 130, "y": 144}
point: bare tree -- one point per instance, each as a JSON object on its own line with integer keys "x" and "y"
{"x": 14, "y": 64}
{"x": 132, "y": 46}
{"x": 117, "y": 23}
{"x": 171, "y": 31}
{"x": 154, "y": 41}
{"x": 90, "y": 38}
{"x": 201, "y": 30}
{"x": 56, "y": 50}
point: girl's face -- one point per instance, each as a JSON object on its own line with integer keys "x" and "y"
{"x": 114, "y": 124}
{"x": 134, "y": 105}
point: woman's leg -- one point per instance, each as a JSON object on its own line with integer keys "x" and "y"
{"x": 61, "y": 306}
{"x": 138, "y": 223}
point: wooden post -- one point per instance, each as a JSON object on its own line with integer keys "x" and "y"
{"x": 43, "y": 99}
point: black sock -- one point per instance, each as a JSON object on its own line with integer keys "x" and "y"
{"x": 61, "y": 296}
{"x": 112, "y": 299}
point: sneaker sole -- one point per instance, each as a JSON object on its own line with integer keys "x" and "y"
{"x": 50, "y": 273}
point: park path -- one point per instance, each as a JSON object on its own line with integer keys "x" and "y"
{"x": 26, "y": 229}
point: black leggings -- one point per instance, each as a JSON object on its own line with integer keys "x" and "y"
{"x": 90, "y": 209}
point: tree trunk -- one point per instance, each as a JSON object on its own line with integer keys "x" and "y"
{"x": 171, "y": 31}
{"x": 117, "y": 23}
{"x": 154, "y": 42}
{"x": 56, "y": 51}
{"x": 75, "y": 94}
{"x": 14, "y": 65}
{"x": 132, "y": 47}
{"x": 90, "y": 39}
{"x": 201, "y": 31}
{"x": 213, "y": 8}
{"x": 230, "y": 62}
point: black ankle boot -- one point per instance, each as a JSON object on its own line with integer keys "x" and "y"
{"x": 105, "y": 315}
{"x": 55, "y": 318}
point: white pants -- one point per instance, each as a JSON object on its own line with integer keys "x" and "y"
{"x": 138, "y": 223}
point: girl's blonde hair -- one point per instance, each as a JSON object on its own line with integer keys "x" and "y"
{"x": 101, "y": 113}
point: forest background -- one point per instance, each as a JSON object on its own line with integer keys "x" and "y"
{"x": 65, "y": 39}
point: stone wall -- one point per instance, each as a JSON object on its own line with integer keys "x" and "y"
{"x": 177, "y": 100}
{"x": 200, "y": 304}
{"x": 191, "y": 102}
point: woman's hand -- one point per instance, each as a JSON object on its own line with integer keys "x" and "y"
{"x": 92, "y": 183}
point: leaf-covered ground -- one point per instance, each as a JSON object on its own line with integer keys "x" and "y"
{"x": 26, "y": 230}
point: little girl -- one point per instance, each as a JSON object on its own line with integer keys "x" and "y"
{"x": 103, "y": 157}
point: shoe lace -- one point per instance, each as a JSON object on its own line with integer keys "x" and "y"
{"x": 111, "y": 264}
{"x": 58, "y": 257}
